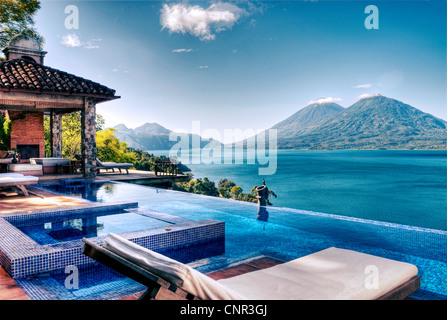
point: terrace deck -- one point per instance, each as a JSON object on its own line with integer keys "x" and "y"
{"x": 9, "y": 290}
{"x": 38, "y": 199}
{"x": 134, "y": 176}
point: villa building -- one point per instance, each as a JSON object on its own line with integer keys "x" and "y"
{"x": 29, "y": 90}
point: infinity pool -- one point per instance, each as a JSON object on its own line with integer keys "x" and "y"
{"x": 287, "y": 233}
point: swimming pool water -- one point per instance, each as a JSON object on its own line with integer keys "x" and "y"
{"x": 54, "y": 230}
{"x": 289, "y": 233}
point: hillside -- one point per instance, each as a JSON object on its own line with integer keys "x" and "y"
{"x": 307, "y": 118}
{"x": 149, "y": 136}
{"x": 377, "y": 122}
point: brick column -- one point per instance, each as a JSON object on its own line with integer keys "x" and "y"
{"x": 56, "y": 134}
{"x": 88, "y": 138}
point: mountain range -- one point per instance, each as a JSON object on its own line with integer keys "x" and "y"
{"x": 377, "y": 122}
{"x": 151, "y": 136}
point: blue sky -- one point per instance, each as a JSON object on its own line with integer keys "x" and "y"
{"x": 248, "y": 65}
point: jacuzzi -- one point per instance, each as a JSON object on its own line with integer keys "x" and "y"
{"x": 45, "y": 240}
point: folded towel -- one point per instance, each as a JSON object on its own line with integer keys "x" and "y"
{"x": 170, "y": 270}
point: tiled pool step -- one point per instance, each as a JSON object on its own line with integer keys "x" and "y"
{"x": 21, "y": 256}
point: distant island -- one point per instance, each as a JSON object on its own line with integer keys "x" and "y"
{"x": 372, "y": 123}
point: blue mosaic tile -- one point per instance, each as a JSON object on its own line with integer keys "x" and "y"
{"x": 21, "y": 256}
{"x": 96, "y": 281}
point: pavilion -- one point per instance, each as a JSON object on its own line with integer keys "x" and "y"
{"x": 29, "y": 90}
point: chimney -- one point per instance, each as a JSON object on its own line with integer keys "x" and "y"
{"x": 22, "y": 46}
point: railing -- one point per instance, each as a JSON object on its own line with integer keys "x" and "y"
{"x": 165, "y": 168}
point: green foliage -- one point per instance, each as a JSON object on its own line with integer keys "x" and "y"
{"x": 146, "y": 161}
{"x": 225, "y": 189}
{"x": 110, "y": 148}
{"x": 100, "y": 122}
{"x": 235, "y": 192}
{"x": 71, "y": 133}
{"x": 5, "y": 132}
{"x": 47, "y": 134}
{"x": 17, "y": 17}
{"x": 200, "y": 186}
{"x": 224, "y": 186}
{"x": 229, "y": 189}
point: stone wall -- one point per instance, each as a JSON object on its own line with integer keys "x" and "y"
{"x": 56, "y": 134}
{"x": 88, "y": 137}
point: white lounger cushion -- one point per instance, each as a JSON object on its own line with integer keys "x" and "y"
{"x": 173, "y": 271}
{"x": 10, "y": 174}
{"x": 330, "y": 274}
{"x": 16, "y": 179}
{"x": 115, "y": 165}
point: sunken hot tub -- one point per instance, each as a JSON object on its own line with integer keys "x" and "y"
{"x": 45, "y": 240}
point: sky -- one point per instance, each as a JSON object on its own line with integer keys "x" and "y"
{"x": 247, "y": 64}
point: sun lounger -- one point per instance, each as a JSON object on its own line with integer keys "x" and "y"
{"x": 333, "y": 273}
{"x": 113, "y": 166}
{"x": 17, "y": 180}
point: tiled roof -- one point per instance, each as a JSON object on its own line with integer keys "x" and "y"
{"x": 24, "y": 74}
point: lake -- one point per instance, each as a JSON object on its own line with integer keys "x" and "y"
{"x": 405, "y": 187}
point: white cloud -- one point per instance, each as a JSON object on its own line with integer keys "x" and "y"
{"x": 120, "y": 68}
{"x": 367, "y": 95}
{"x": 181, "y": 50}
{"x": 71, "y": 40}
{"x": 203, "y": 67}
{"x": 198, "y": 21}
{"x": 92, "y": 44}
{"x": 363, "y": 86}
{"x": 325, "y": 100}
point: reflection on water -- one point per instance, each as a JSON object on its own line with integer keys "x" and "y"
{"x": 263, "y": 214}
{"x": 93, "y": 191}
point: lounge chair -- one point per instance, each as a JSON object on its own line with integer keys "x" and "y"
{"x": 328, "y": 274}
{"x": 113, "y": 166}
{"x": 17, "y": 180}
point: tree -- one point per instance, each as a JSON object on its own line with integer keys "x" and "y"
{"x": 208, "y": 187}
{"x": 146, "y": 161}
{"x": 17, "y": 17}
{"x": 235, "y": 192}
{"x": 226, "y": 189}
{"x": 5, "y": 132}
{"x": 71, "y": 133}
{"x": 200, "y": 186}
{"x": 110, "y": 148}
{"x": 224, "y": 186}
